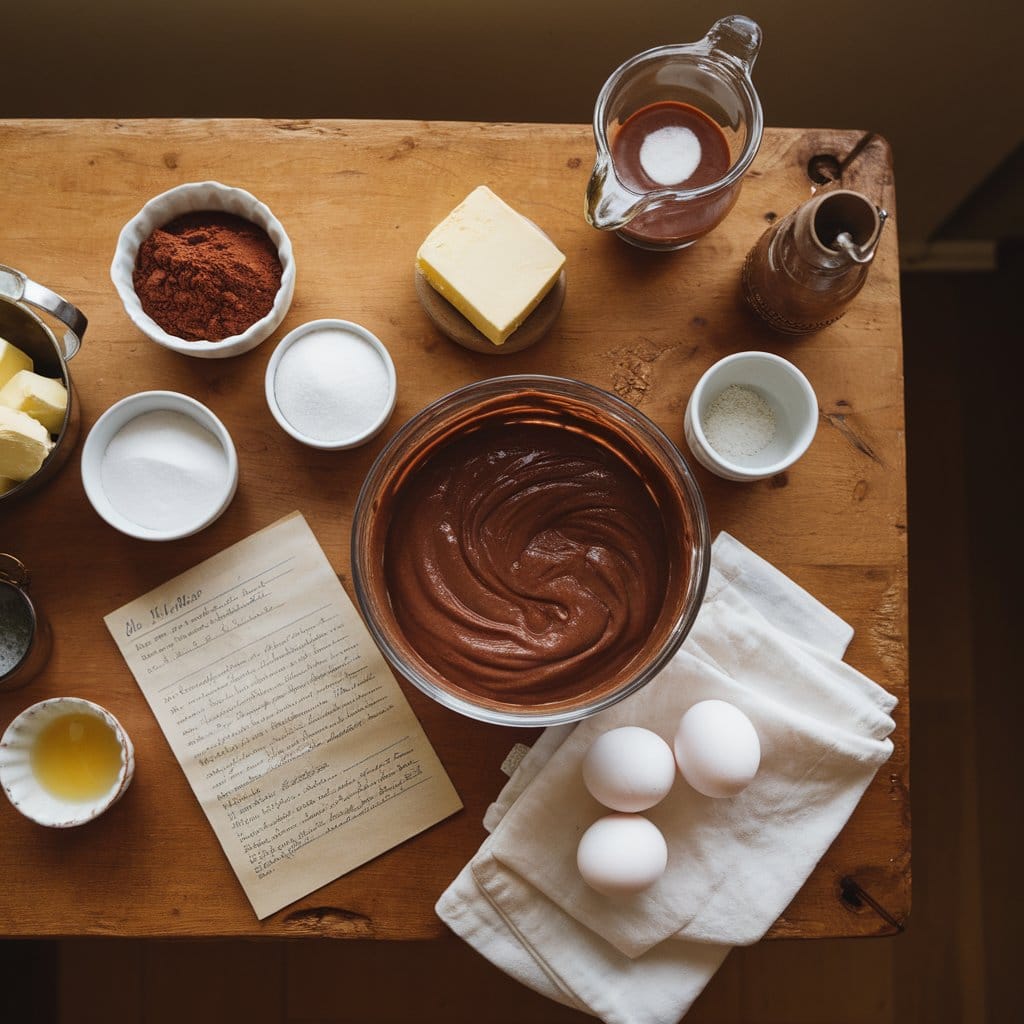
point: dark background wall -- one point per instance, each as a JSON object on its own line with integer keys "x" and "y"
{"x": 940, "y": 79}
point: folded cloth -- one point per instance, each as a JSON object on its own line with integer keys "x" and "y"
{"x": 764, "y": 644}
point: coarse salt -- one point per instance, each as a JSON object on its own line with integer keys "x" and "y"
{"x": 739, "y": 423}
{"x": 331, "y": 385}
{"x": 164, "y": 471}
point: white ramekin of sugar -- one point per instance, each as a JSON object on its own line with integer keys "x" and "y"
{"x": 751, "y": 415}
{"x": 331, "y": 384}
{"x": 158, "y": 465}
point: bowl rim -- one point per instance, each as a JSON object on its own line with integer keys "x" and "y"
{"x": 154, "y": 214}
{"x": 527, "y": 716}
{"x": 119, "y": 415}
{"x": 330, "y": 323}
{"x": 801, "y": 442}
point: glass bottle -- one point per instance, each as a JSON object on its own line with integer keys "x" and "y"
{"x": 808, "y": 266}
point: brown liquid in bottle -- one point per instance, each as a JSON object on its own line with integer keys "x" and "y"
{"x": 675, "y": 222}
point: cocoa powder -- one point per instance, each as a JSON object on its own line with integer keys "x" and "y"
{"x": 207, "y": 275}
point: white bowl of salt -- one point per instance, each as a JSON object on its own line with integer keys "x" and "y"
{"x": 331, "y": 384}
{"x": 751, "y": 416}
{"x": 158, "y": 465}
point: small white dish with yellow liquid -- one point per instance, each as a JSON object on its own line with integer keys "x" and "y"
{"x": 64, "y": 761}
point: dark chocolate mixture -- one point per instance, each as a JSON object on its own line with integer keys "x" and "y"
{"x": 526, "y": 562}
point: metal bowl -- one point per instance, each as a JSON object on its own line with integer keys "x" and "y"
{"x": 23, "y": 328}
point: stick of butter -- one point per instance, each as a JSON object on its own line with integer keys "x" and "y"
{"x": 490, "y": 263}
{"x": 42, "y": 398}
{"x": 11, "y": 361}
{"x": 24, "y": 443}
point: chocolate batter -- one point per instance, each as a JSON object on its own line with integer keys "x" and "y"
{"x": 526, "y": 562}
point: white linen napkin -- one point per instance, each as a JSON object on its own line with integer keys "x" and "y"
{"x": 764, "y": 644}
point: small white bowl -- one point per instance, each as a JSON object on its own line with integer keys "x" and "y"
{"x": 25, "y": 791}
{"x": 190, "y": 198}
{"x": 345, "y": 330}
{"x": 113, "y": 420}
{"x": 786, "y": 390}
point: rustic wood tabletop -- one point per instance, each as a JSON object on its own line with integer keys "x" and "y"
{"x": 357, "y": 198}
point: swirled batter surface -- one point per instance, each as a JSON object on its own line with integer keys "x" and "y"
{"x": 525, "y": 562}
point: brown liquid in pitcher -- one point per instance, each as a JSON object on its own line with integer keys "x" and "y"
{"x": 680, "y": 221}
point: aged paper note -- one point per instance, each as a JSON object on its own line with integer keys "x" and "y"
{"x": 288, "y": 723}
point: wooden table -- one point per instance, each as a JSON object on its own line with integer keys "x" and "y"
{"x": 357, "y": 198}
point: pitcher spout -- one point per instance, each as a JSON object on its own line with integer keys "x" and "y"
{"x": 609, "y": 206}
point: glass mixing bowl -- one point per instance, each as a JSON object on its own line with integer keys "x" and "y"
{"x": 571, "y": 405}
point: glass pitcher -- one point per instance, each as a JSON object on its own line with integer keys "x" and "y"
{"x": 707, "y": 86}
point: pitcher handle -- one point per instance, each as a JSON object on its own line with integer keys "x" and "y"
{"x": 737, "y": 38}
{"x": 14, "y": 285}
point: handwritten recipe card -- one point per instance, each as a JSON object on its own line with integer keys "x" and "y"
{"x": 291, "y": 729}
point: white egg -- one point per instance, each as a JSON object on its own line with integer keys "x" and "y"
{"x": 629, "y": 768}
{"x": 717, "y": 748}
{"x": 621, "y": 854}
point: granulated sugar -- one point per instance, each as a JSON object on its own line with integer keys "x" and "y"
{"x": 739, "y": 422}
{"x": 331, "y": 385}
{"x": 164, "y": 471}
{"x": 670, "y": 155}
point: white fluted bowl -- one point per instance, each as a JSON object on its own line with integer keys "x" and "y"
{"x": 191, "y": 198}
{"x": 22, "y": 787}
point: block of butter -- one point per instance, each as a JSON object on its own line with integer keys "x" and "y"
{"x": 42, "y": 398}
{"x": 11, "y": 361}
{"x": 490, "y": 263}
{"x": 24, "y": 443}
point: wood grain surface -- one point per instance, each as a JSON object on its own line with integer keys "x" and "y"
{"x": 357, "y": 198}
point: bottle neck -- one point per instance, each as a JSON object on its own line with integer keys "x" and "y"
{"x": 798, "y": 252}
{"x": 814, "y": 249}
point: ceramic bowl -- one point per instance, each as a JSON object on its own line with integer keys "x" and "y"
{"x": 581, "y": 410}
{"x": 118, "y": 416}
{"x": 787, "y": 392}
{"x": 19, "y": 781}
{"x": 193, "y": 197}
{"x": 345, "y": 331}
